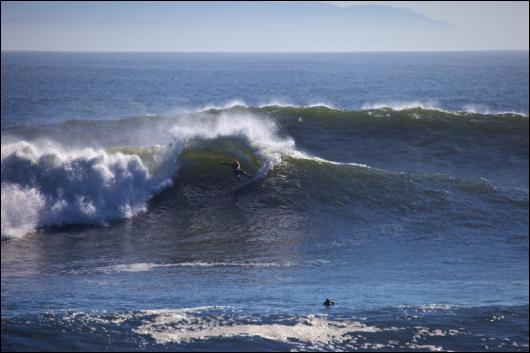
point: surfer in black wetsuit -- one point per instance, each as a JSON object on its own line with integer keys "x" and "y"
{"x": 236, "y": 167}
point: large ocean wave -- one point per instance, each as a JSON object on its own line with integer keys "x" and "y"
{"x": 56, "y": 175}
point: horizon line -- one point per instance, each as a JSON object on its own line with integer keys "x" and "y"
{"x": 256, "y": 52}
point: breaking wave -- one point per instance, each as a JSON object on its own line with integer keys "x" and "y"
{"x": 50, "y": 177}
{"x": 46, "y": 183}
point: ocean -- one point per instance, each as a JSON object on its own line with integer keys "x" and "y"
{"x": 394, "y": 183}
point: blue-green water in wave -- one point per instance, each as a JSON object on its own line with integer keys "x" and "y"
{"x": 122, "y": 231}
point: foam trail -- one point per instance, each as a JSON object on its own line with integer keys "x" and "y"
{"x": 148, "y": 266}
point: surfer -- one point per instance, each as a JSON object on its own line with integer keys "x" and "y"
{"x": 236, "y": 167}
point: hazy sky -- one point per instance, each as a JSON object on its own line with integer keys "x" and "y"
{"x": 488, "y": 24}
{"x": 259, "y": 26}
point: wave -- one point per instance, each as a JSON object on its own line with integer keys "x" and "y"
{"x": 45, "y": 183}
{"x": 302, "y": 182}
{"x": 49, "y": 179}
{"x": 392, "y": 105}
{"x": 413, "y": 112}
{"x": 150, "y": 130}
{"x": 42, "y": 189}
{"x": 344, "y": 174}
{"x": 417, "y": 122}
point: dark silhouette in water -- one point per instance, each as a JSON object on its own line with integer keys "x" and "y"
{"x": 236, "y": 167}
{"x": 328, "y": 302}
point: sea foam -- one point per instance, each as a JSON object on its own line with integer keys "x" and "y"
{"x": 44, "y": 184}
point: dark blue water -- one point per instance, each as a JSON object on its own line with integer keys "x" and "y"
{"x": 394, "y": 183}
{"x": 40, "y": 87}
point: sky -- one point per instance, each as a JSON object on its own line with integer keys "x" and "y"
{"x": 278, "y": 26}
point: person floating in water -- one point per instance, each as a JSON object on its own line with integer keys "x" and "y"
{"x": 236, "y": 167}
{"x": 329, "y": 302}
